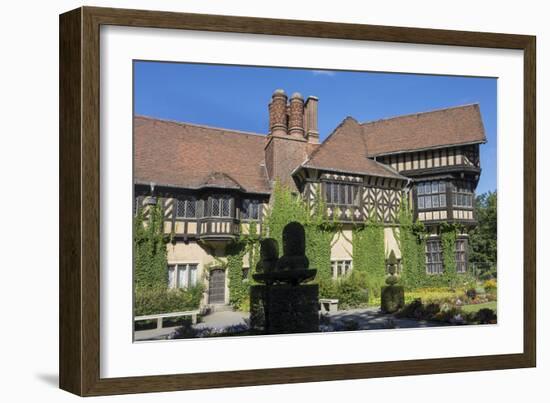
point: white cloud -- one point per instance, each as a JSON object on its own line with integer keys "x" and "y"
{"x": 323, "y": 73}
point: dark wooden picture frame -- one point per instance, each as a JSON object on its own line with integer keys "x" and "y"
{"x": 79, "y": 346}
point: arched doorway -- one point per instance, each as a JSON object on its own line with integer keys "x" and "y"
{"x": 216, "y": 286}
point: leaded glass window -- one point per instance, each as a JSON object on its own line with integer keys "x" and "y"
{"x": 341, "y": 193}
{"x": 186, "y": 207}
{"x": 460, "y": 255}
{"x": 221, "y": 206}
{"x": 434, "y": 256}
{"x": 431, "y": 195}
{"x": 250, "y": 209}
{"x": 463, "y": 194}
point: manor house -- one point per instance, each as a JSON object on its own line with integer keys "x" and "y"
{"x": 210, "y": 181}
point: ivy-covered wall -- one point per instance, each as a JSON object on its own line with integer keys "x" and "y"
{"x": 369, "y": 255}
{"x": 150, "y": 249}
{"x": 411, "y": 238}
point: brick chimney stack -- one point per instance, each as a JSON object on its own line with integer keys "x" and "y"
{"x": 278, "y": 125}
{"x": 310, "y": 118}
{"x": 292, "y": 125}
{"x": 296, "y": 116}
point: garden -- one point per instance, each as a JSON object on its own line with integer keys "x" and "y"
{"x": 450, "y": 298}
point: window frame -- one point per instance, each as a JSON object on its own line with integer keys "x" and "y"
{"x": 186, "y": 201}
{"x": 218, "y": 200}
{"x": 251, "y": 202}
{"x": 341, "y": 268}
{"x": 462, "y": 190}
{"x": 434, "y": 266}
{"x": 461, "y": 256}
{"x": 431, "y": 195}
{"x": 187, "y": 269}
{"x": 341, "y": 193}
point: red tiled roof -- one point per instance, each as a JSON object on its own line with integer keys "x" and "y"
{"x": 193, "y": 156}
{"x": 440, "y": 128}
{"x": 345, "y": 150}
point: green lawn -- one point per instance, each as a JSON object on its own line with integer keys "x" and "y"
{"x": 476, "y": 307}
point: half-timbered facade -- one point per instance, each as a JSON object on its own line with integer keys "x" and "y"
{"x": 211, "y": 180}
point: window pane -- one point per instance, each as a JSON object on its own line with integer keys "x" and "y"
{"x": 226, "y": 207}
{"x": 182, "y": 276}
{"x": 421, "y": 202}
{"x": 190, "y": 210}
{"x": 171, "y": 276}
{"x": 428, "y": 202}
{"x": 441, "y": 187}
{"x": 215, "y": 207}
{"x": 435, "y": 201}
{"x": 435, "y": 187}
{"x": 180, "y": 208}
{"x": 420, "y": 188}
{"x": 328, "y": 192}
{"x": 342, "y": 194}
{"x": 246, "y": 208}
{"x": 192, "y": 275}
{"x": 442, "y": 200}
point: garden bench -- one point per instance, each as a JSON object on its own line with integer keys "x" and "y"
{"x": 160, "y": 317}
{"x": 328, "y": 305}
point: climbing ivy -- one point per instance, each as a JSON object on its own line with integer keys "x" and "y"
{"x": 410, "y": 237}
{"x": 288, "y": 207}
{"x": 245, "y": 245}
{"x": 238, "y": 289}
{"x": 150, "y": 248}
{"x": 368, "y": 255}
{"x": 448, "y": 243}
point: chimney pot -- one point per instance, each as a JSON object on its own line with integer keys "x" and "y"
{"x": 310, "y": 113}
{"x": 296, "y": 116}
{"x": 277, "y": 113}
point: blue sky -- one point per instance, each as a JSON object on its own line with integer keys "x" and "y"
{"x": 236, "y": 97}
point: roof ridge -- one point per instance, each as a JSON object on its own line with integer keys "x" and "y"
{"x": 200, "y": 126}
{"x": 367, "y": 122}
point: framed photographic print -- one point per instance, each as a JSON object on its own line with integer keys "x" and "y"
{"x": 281, "y": 201}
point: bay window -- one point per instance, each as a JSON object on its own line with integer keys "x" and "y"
{"x": 341, "y": 193}
{"x": 431, "y": 195}
{"x": 186, "y": 207}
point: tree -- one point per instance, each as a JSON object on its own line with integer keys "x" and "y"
{"x": 483, "y": 238}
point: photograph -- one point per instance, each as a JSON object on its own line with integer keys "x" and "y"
{"x": 271, "y": 200}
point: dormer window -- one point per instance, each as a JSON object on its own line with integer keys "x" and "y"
{"x": 341, "y": 193}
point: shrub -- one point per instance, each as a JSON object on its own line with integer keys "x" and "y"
{"x": 159, "y": 299}
{"x": 409, "y": 310}
{"x": 485, "y": 316}
{"x": 490, "y": 285}
{"x": 438, "y": 295}
{"x": 471, "y": 293}
{"x": 351, "y": 291}
{"x": 392, "y": 299}
{"x": 432, "y": 309}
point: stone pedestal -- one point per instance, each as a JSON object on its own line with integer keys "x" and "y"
{"x": 284, "y": 308}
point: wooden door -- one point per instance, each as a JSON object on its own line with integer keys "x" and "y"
{"x": 216, "y": 288}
